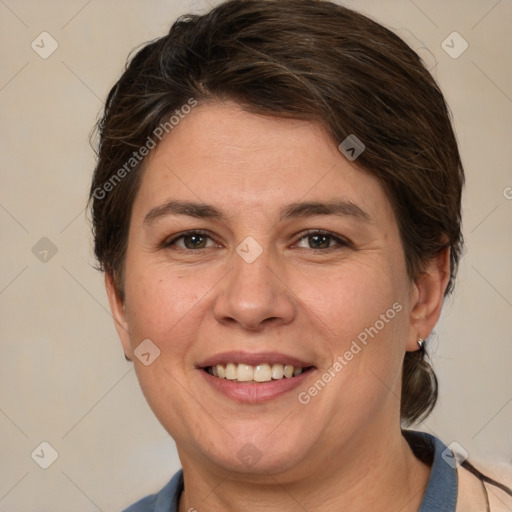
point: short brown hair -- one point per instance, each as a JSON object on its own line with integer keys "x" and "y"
{"x": 306, "y": 59}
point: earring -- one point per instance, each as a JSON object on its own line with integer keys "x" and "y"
{"x": 421, "y": 344}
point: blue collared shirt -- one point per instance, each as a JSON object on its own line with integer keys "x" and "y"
{"x": 440, "y": 494}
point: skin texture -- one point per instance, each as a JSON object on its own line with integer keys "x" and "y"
{"x": 343, "y": 448}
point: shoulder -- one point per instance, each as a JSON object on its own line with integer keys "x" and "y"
{"x": 166, "y": 500}
{"x": 459, "y": 484}
{"x": 484, "y": 486}
{"x": 146, "y": 504}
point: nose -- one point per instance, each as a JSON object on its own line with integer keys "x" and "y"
{"x": 255, "y": 295}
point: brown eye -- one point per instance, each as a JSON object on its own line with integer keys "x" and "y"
{"x": 194, "y": 241}
{"x": 321, "y": 241}
{"x": 190, "y": 241}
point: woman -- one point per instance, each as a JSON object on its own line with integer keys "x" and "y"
{"x": 276, "y": 207}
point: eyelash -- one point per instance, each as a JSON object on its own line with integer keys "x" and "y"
{"x": 341, "y": 242}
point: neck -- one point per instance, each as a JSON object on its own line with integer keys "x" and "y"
{"x": 381, "y": 474}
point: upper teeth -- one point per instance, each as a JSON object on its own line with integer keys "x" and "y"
{"x": 260, "y": 373}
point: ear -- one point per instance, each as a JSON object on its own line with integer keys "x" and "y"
{"x": 427, "y": 298}
{"x": 117, "y": 306}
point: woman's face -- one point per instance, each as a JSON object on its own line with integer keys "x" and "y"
{"x": 254, "y": 241}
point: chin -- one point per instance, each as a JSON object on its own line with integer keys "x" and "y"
{"x": 252, "y": 461}
{"x": 256, "y": 453}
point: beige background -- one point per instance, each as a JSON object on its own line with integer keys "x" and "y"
{"x": 63, "y": 376}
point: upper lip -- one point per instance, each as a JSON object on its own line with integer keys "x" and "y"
{"x": 252, "y": 359}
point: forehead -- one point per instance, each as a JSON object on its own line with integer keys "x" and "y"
{"x": 219, "y": 153}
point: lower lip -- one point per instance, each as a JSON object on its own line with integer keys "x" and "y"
{"x": 249, "y": 392}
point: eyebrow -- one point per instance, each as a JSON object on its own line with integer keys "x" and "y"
{"x": 339, "y": 208}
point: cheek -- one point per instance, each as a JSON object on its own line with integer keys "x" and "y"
{"x": 363, "y": 311}
{"x": 164, "y": 305}
{"x": 355, "y": 297}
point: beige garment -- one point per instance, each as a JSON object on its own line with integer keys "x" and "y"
{"x": 477, "y": 496}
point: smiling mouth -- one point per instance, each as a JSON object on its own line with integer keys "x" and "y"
{"x": 255, "y": 374}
